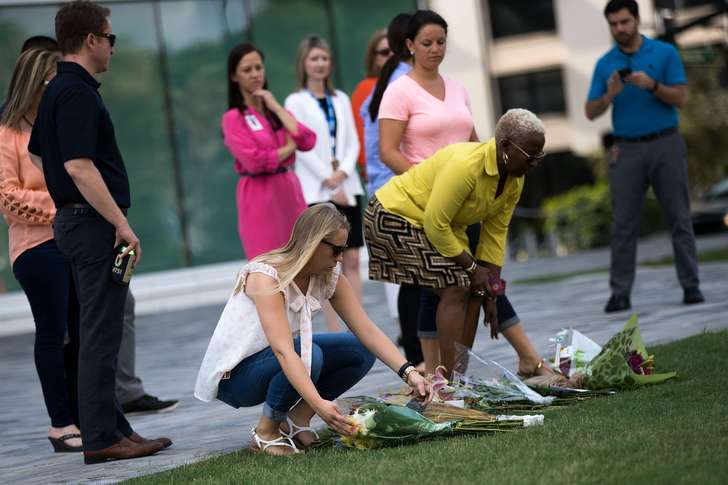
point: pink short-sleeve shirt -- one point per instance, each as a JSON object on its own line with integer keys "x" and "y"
{"x": 431, "y": 123}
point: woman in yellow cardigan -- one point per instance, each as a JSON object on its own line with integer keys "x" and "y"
{"x": 415, "y": 230}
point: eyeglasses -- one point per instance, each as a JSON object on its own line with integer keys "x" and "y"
{"x": 111, "y": 37}
{"x": 383, "y": 52}
{"x": 338, "y": 250}
{"x": 536, "y": 158}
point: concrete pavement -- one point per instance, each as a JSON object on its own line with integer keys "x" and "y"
{"x": 170, "y": 346}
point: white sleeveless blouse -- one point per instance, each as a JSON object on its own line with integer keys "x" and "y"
{"x": 239, "y": 333}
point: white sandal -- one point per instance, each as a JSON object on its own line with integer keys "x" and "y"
{"x": 263, "y": 445}
{"x": 294, "y": 429}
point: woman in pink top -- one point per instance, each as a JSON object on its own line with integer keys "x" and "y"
{"x": 420, "y": 113}
{"x": 424, "y": 110}
{"x": 38, "y": 265}
{"x": 263, "y": 137}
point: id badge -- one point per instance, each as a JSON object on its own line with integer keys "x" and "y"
{"x": 253, "y": 122}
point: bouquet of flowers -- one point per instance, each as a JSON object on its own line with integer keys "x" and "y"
{"x": 573, "y": 351}
{"x": 379, "y": 424}
{"x": 494, "y": 389}
{"x": 623, "y": 363}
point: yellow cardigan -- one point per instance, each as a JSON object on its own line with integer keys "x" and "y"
{"x": 451, "y": 190}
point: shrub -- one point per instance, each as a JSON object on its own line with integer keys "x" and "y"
{"x": 581, "y": 218}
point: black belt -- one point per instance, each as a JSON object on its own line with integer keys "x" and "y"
{"x": 79, "y": 208}
{"x": 650, "y": 137}
{"x": 262, "y": 174}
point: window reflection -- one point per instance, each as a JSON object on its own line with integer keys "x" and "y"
{"x": 186, "y": 58}
{"x": 541, "y": 92}
{"x": 518, "y": 17}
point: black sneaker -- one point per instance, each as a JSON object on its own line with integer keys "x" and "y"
{"x": 148, "y": 404}
{"x": 692, "y": 296}
{"x": 617, "y": 303}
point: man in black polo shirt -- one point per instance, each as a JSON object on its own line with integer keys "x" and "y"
{"x": 85, "y": 174}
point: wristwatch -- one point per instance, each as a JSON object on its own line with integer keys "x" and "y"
{"x": 409, "y": 370}
{"x": 406, "y": 369}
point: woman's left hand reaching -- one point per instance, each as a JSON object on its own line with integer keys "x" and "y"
{"x": 421, "y": 388}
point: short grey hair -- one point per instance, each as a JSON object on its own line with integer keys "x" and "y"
{"x": 518, "y": 123}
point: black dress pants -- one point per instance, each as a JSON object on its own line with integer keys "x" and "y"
{"x": 87, "y": 240}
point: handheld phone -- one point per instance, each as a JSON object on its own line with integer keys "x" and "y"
{"x": 624, "y": 72}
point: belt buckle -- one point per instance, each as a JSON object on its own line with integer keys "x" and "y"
{"x": 225, "y": 375}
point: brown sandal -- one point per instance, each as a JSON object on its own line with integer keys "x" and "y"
{"x": 534, "y": 372}
{"x": 60, "y": 445}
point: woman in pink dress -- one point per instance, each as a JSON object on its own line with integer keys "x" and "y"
{"x": 263, "y": 137}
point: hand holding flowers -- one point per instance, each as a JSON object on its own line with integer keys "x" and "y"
{"x": 330, "y": 414}
{"x": 420, "y": 387}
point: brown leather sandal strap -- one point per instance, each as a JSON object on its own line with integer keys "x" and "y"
{"x": 67, "y": 437}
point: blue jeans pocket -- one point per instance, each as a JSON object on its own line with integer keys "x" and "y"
{"x": 226, "y": 397}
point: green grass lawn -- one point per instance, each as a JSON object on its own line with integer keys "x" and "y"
{"x": 675, "y": 432}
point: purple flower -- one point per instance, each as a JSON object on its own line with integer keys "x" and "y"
{"x": 635, "y": 361}
{"x": 565, "y": 366}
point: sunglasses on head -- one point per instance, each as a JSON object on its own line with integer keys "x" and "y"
{"x": 337, "y": 249}
{"x": 111, "y": 37}
{"x": 383, "y": 52}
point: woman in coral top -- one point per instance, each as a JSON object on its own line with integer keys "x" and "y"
{"x": 263, "y": 137}
{"x": 38, "y": 265}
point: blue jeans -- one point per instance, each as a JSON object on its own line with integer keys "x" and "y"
{"x": 338, "y": 361}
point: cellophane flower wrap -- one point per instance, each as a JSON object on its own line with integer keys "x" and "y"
{"x": 488, "y": 386}
{"x": 379, "y": 425}
{"x": 572, "y": 351}
{"x": 623, "y": 362}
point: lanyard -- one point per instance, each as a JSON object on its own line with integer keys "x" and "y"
{"x": 330, "y": 120}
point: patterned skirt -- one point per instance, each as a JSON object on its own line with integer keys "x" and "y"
{"x": 400, "y": 253}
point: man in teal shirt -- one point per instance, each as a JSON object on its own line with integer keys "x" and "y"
{"x": 644, "y": 82}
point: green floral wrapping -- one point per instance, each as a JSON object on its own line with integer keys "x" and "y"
{"x": 611, "y": 368}
{"x": 380, "y": 425}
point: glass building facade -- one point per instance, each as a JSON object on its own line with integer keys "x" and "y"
{"x": 166, "y": 91}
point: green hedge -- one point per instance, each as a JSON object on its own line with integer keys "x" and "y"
{"x": 581, "y": 218}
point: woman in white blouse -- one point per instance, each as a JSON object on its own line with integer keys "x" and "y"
{"x": 263, "y": 349}
{"x": 328, "y": 172}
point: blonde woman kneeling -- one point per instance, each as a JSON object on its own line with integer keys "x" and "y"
{"x": 263, "y": 350}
